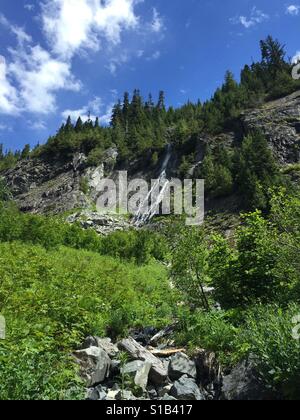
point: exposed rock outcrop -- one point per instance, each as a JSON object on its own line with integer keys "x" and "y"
{"x": 280, "y": 122}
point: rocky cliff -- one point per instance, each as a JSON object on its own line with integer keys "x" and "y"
{"x": 43, "y": 187}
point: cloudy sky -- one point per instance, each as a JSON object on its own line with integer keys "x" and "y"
{"x": 71, "y": 57}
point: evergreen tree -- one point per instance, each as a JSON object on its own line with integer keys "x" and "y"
{"x": 79, "y": 125}
{"x": 69, "y": 126}
{"x": 273, "y": 56}
{"x": 161, "y": 101}
{"x": 256, "y": 171}
{"x": 25, "y": 152}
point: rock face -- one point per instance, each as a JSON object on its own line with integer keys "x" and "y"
{"x": 280, "y": 122}
{"x": 43, "y": 187}
{"x": 54, "y": 187}
{"x": 40, "y": 187}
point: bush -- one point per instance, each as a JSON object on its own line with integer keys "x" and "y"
{"x": 268, "y": 334}
{"x": 137, "y": 246}
{"x": 212, "y": 331}
{"x": 263, "y": 266}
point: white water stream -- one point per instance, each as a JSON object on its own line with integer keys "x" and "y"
{"x": 146, "y": 212}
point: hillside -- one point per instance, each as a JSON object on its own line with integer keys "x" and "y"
{"x": 126, "y": 307}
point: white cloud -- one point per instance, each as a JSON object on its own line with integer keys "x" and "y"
{"x": 74, "y": 24}
{"x": 117, "y": 62}
{"x": 114, "y": 92}
{"x": 106, "y": 117}
{"x": 112, "y": 67}
{"x": 19, "y": 32}
{"x": 91, "y": 110}
{"x": 37, "y": 125}
{"x": 155, "y": 56}
{"x": 296, "y": 58}
{"x": 157, "y": 24}
{"x": 30, "y": 7}
{"x": 256, "y": 17}
{"x": 8, "y": 94}
{"x": 31, "y": 76}
{"x": 293, "y": 10}
{"x": 4, "y": 127}
{"x": 39, "y": 77}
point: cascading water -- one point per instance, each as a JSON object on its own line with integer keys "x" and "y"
{"x": 143, "y": 216}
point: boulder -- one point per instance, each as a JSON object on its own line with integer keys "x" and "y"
{"x": 107, "y": 345}
{"x": 245, "y": 384}
{"x": 90, "y": 341}
{"x": 139, "y": 370}
{"x": 186, "y": 389}
{"x": 142, "y": 376}
{"x": 158, "y": 373}
{"x": 132, "y": 367}
{"x": 95, "y": 365}
{"x": 181, "y": 365}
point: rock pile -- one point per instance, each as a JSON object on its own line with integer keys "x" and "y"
{"x": 131, "y": 370}
{"x": 101, "y": 223}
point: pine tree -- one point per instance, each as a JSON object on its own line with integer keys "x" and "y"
{"x": 69, "y": 125}
{"x": 79, "y": 125}
{"x": 25, "y": 152}
{"x": 256, "y": 171}
{"x": 116, "y": 117}
{"x": 161, "y": 101}
{"x": 273, "y": 55}
{"x": 126, "y": 111}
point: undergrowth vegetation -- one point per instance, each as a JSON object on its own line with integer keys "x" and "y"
{"x": 53, "y": 299}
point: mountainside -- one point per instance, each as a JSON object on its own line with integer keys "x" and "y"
{"x": 41, "y": 186}
{"x": 129, "y": 306}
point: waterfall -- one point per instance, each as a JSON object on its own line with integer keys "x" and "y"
{"x": 143, "y": 216}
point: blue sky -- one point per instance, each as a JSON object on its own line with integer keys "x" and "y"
{"x": 60, "y": 57}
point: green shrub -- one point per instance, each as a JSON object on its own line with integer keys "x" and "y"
{"x": 268, "y": 334}
{"x": 212, "y": 331}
